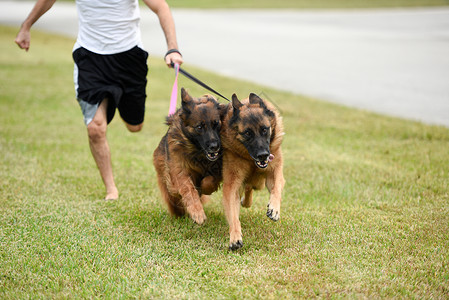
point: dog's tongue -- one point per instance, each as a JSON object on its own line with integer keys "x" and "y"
{"x": 271, "y": 157}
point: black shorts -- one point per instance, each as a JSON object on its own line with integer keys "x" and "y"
{"x": 121, "y": 78}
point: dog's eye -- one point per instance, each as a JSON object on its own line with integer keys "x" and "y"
{"x": 215, "y": 124}
{"x": 248, "y": 133}
{"x": 199, "y": 127}
{"x": 264, "y": 130}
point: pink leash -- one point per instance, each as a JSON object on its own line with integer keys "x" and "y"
{"x": 174, "y": 92}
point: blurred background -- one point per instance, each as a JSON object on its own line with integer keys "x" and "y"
{"x": 384, "y": 56}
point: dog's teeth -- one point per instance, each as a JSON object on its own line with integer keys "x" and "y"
{"x": 212, "y": 155}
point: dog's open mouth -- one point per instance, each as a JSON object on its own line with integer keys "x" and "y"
{"x": 261, "y": 164}
{"x": 212, "y": 156}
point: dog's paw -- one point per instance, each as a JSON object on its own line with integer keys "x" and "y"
{"x": 204, "y": 199}
{"x": 245, "y": 202}
{"x": 273, "y": 213}
{"x": 235, "y": 240}
{"x": 236, "y": 245}
{"x": 199, "y": 217}
{"x": 196, "y": 212}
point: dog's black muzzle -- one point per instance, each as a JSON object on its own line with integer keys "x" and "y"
{"x": 260, "y": 153}
{"x": 212, "y": 145}
{"x": 261, "y": 159}
{"x": 212, "y": 150}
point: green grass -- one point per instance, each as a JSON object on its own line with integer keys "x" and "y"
{"x": 301, "y": 4}
{"x": 365, "y": 212}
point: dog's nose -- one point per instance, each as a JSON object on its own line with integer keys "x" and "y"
{"x": 263, "y": 155}
{"x": 213, "y": 146}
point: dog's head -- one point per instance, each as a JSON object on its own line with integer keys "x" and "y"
{"x": 253, "y": 124}
{"x": 201, "y": 119}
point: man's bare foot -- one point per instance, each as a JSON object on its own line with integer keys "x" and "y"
{"x": 112, "y": 194}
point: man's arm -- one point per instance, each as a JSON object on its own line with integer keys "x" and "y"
{"x": 162, "y": 10}
{"x": 23, "y": 37}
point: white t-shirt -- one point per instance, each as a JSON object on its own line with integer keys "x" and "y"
{"x": 108, "y": 26}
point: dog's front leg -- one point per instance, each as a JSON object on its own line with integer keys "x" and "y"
{"x": 275, "y": 184}
{"x": 231, "y": 203}
{"x": 247, "y": 199}
{"x": 190, "y": 197}
{"x": 232, "y": 209}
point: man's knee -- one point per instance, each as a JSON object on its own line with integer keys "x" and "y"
{"x": 134, "y": 128}
{"x": 96, "y": 130}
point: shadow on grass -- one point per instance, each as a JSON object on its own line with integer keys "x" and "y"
{"x": 152, "y": 220}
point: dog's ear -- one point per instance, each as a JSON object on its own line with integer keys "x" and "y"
{"x": 186, "y": 99}
{"x": 186, "y": 104}
{"x": 236, "y": 104}
{"x": 185, "y": 95}
{"x": 223, "y": 109}
{"x": 254, "y": 99}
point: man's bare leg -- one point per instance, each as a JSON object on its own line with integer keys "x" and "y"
{"x": 134, "y": 128}
{"x": 100, "y": 149}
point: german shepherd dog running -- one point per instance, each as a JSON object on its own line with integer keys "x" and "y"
{"x": 251, "y": 136}
{"x": 188, "y": 159}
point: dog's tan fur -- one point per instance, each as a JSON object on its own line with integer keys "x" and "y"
{"x": 185, "y": 176}
{"x": 240, "y": 173}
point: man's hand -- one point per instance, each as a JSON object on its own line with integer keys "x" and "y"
{"x": 162, "y": 10}
{"x": 23, "y": 39}
{"x": 175, "y": 58}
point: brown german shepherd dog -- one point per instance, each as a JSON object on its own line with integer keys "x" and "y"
{"x": 251, "y": 136}
{"x": 188, "y": 159}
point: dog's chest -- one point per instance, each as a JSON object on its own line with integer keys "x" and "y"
{"x": 206, "y": 167}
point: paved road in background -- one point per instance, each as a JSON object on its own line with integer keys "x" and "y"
{"x": 394, "y": 62}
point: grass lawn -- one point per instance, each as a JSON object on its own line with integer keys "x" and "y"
{"x": 365, "y": 211}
